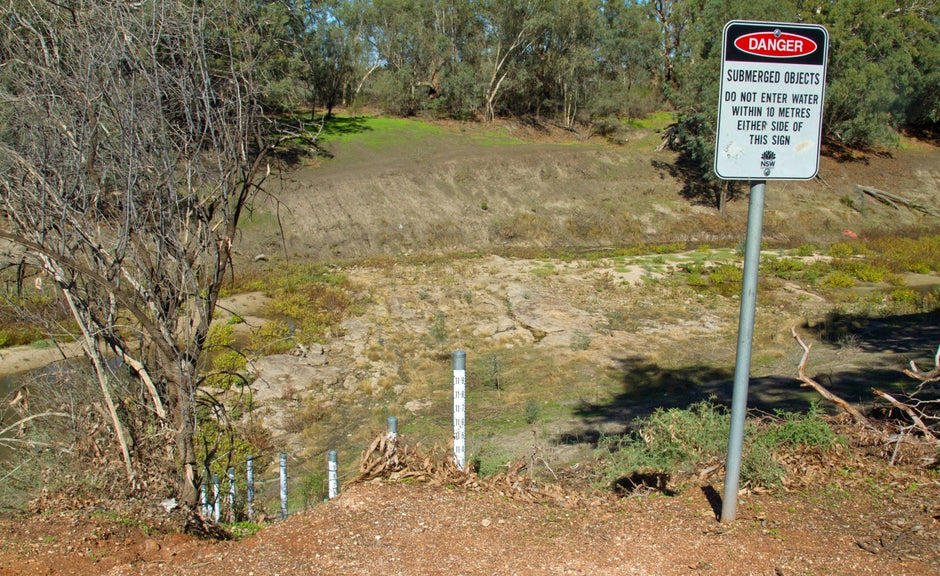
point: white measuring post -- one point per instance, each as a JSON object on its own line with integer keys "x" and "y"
{"x": 332, "y": 475}
{"x": 231, "y": 491}
{"x": 250, "y": 489}
{"x": 203, "y": 501}
{"x": 773, "y": 79}
{"x": 283, "y": 469}
{"x": 460, "y": 408}
{"x": 215, "y": 498}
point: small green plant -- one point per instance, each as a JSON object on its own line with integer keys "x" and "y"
{"x": 580, "y": 340}
{"x": 838, "y": 279}
{"x": 438, "y": 331}
{"x": 841, "y": 250}
{"x": 532, "y": 411}
{"x": 244, "y": 529}
{"x": 804, "y": 250}
{"x": 726, "y": 274}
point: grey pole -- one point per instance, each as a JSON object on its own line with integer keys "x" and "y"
{"x": 250, "y": 497}
{"x": 460, "y": 408}
{"x": 392, "y": 428}
{"x": 742, "y": 367}
{"x": 283, "y": 466}
{"x": 332, "y": 479}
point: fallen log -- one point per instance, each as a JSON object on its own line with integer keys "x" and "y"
{"x": 893, "y": 200}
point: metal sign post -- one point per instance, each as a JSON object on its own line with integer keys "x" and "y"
{"x": 773, "y": 78}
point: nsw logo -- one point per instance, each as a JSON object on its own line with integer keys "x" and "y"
{"x": 776, "y": 44}
{"x": 767, "y": 161}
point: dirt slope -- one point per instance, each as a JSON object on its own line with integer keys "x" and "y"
{"x": 472, "y": 187}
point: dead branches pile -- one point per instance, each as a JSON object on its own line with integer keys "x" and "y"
{"x": 915, "y": 414}
{"x": 390, "y": 458}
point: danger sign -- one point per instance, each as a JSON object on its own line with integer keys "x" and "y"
{"x": 773, "y": 78}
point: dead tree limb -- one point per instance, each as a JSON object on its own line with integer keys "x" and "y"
{"x": 807, "y": 381}
{"x": 925, "y": 377}
{"x": 918, "y": 423}
{"x": 893, "y": 200}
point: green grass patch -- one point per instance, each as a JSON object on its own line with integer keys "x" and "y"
{"x": 377, "y": 131}
{"x": 678, "y": 440}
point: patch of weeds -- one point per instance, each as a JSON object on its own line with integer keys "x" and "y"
{"x": 244, "y": 529}
{"x": 668, "y": 441}
{"x": 805, "y": 250}
{"x": 489, "y": 460}
{"x": 838, "y": 279}
{"x": 532, "y": 411}
{"x": 437, "y": 335}
{"x": 785, "y": 268}
{"x": 580, "y": 340}
{"x": 842, "y": 250}
{"x": 674, "y": 441}
{"x": 546, "y": 270}
{"x": 313, "y": 488}
{"x": 272, "y": 337}
{"x": 801, "y": 429}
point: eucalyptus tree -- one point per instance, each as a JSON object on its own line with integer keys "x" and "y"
{"x": 133, "y": 143}
{"x": 884, "y": 69}
{"x": 511, "y": 28}
{"x": 413, "y": 42}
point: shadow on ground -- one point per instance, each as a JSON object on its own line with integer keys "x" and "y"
{"x": 884, "y": 346}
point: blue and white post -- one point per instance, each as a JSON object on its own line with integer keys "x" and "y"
{"x": 250, "y": 497}
{"x": 333, "y": 477}
{"x": 283, "y": 466}
{"x": 460, "y": 408}
{"x": 231, "y": 491}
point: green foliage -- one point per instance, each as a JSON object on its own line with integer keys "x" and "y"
{"x": 842, "y": 250}
{"x": 438, "y": 335}
{"x": 726, "y": 274}
{"x": 838, "y": 279}
{"x": 676, "y": 441}
{"x": 907, "y": 254}
{"x": 532, "y": 411}
{"x": 580, "y": 340}
{"x": 786, "y": 268}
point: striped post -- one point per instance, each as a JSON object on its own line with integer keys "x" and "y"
{"x": 460, "y": 408}
{"x": 251, "y": 487}
{"x": 333, "y": 480}
{"x": 283, "y": 486}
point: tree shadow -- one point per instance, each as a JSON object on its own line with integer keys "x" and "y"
{"x": 886, "y": 346}
{"x": 697, "y": 187}
{"x": 912, "y": 336}
{"x": 345, "y": 125}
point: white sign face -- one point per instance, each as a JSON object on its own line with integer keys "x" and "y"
{"x": 773, "y": 79}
